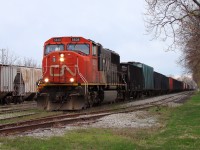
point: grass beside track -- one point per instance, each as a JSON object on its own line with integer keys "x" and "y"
{"x": 179, "y": 129}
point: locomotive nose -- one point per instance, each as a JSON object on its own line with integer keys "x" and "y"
{"x": 62, "y": 67}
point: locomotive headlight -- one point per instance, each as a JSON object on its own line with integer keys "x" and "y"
{"x": 46, "y": 80}
{"x": 62, "y": 59}
{"x": 71, "y": 80}
{"x": 62, "y": 55}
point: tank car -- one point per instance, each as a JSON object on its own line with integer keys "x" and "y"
{"x": 78, "y": 73}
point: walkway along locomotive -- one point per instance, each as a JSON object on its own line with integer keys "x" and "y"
{"x": 78, "y": 73}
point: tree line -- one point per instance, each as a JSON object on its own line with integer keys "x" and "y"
{"x": 178, "y": 20}
{"x": 10, "y": 58}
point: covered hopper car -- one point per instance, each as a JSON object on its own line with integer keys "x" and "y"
{"x": 18, "y": 83}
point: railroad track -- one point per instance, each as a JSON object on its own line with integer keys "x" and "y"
{"x": 10, "y": 116}
{"x": 6, "y": 111}
{"x": 17, "y": 108}
{"x": 64, "y": 119}
{"x": 26, "y": 103}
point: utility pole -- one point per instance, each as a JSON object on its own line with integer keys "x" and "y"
{"x": 2, "y": 56}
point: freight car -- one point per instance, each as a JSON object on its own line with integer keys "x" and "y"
{"x": 175, "y": 85}
{"x": 161, "y": 84}
{"x": 79, "y": 73}
{"x": 18, "y": 83}
{"x": 133, "y": 77}
{"x": 147, "y": 75}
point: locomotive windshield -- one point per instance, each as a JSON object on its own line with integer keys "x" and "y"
{"x": 84, "y": 48}
{"x": 52, "y": 48}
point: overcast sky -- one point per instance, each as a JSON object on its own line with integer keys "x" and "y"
{"x": 117, "y": 25}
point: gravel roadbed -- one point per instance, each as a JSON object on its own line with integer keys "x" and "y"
{"x": 138, "y": 119}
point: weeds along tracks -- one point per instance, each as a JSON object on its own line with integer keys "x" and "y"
{"x": 64, "y": 119}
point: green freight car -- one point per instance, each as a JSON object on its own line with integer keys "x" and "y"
{"x": 147, "y": 71}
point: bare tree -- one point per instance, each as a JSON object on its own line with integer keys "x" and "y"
{"x": 188, "y": 80}
{"x": 165, "y": 18}
{"x": 8, "y": 57}
{"x": 179, "y": 20}
{"x": 190, "y": 44}
{"x": 29, "y": 62}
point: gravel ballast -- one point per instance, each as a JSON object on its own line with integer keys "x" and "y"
{"x": 138, "y": 119}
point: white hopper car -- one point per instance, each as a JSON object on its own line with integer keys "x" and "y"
{"x": 18, "y": 83}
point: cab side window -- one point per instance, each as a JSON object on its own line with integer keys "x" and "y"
{"x": 94, "y": 50}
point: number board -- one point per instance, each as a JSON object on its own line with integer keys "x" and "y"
{"x": 57, "y": 39}
{"x": 75, "y": 39}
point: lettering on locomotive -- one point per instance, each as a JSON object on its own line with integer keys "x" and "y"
{"x": 57, "y": 39}
{"x": 62, "y": 70}
{"x": 75, "y": 39}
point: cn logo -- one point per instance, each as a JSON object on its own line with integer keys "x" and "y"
{"x": 62, "y": 70}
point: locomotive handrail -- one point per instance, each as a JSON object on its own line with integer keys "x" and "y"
{"x": 46, "y": 67}
{"x": 82, "y": 77}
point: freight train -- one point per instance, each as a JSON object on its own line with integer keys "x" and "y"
{"x": 79, "y": 73}
{"x": 18, "y": 83}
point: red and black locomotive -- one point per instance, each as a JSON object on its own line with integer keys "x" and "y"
{"x": 79, "y": 73}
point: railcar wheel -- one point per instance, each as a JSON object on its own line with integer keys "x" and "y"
{"x": 8, "y": 100}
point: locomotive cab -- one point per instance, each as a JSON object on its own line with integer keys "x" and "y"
{"x": 64, "y": 61}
